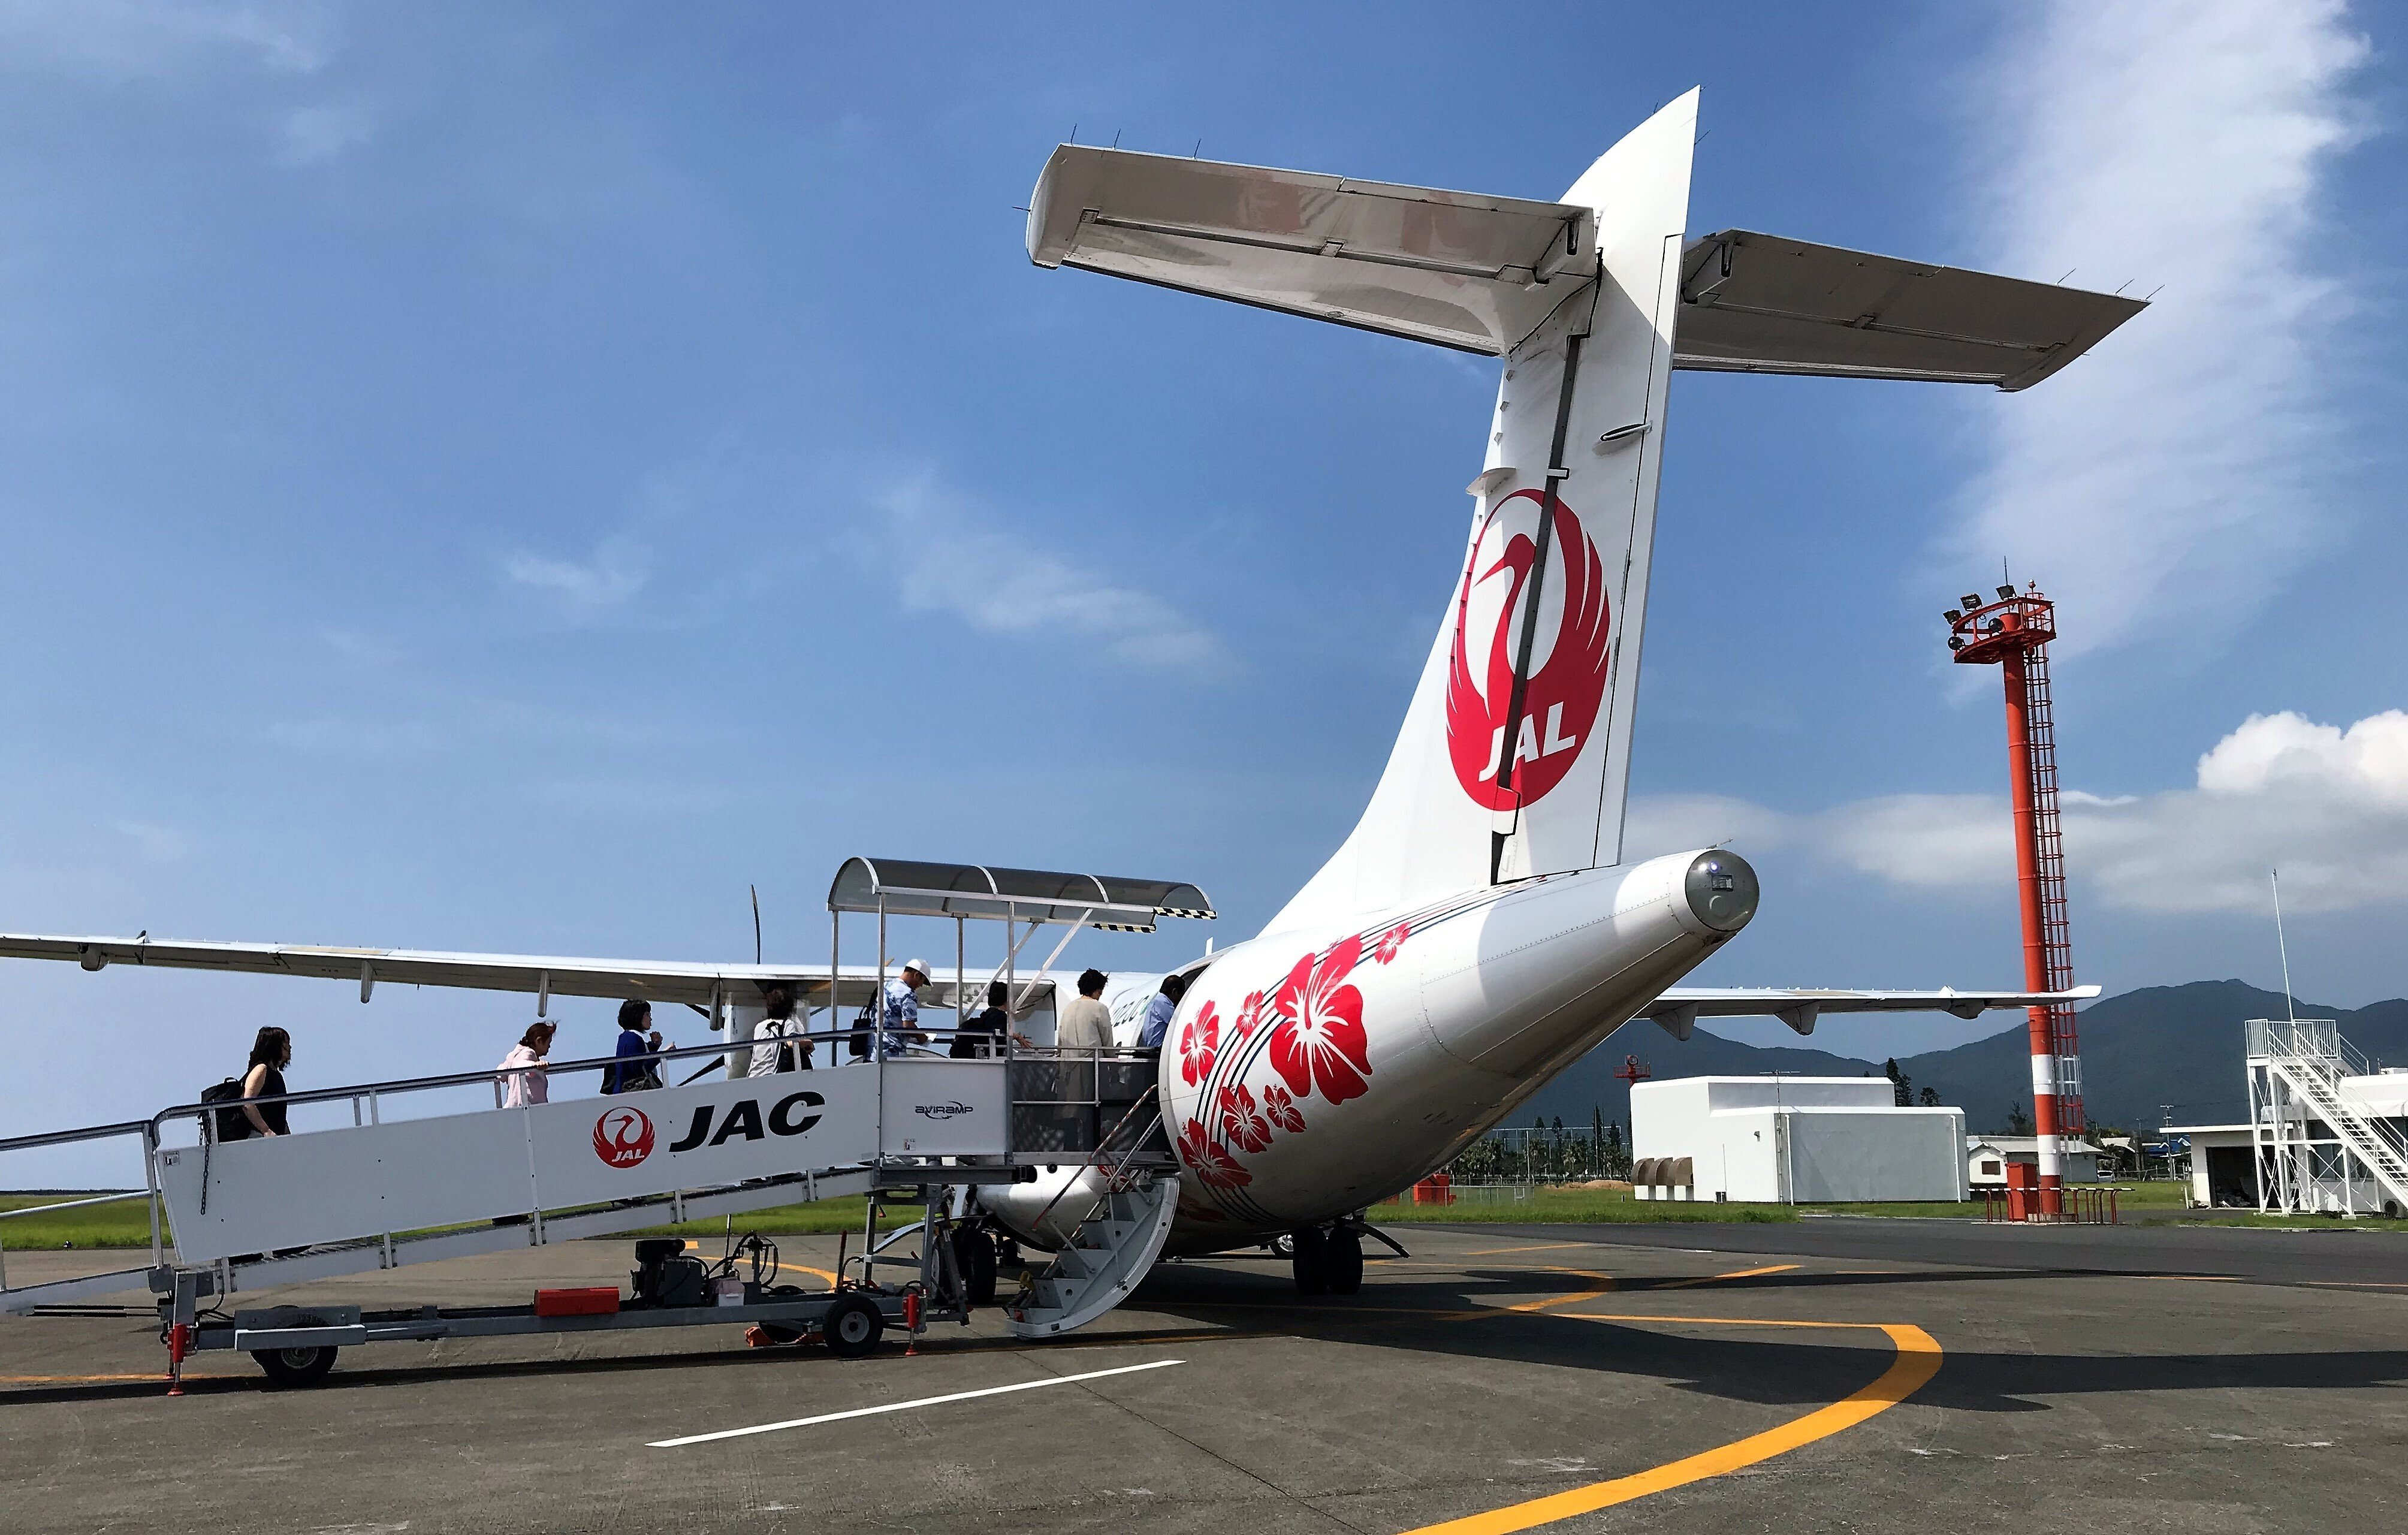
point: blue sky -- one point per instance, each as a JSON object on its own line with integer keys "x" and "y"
{"x": 499, "y": 477}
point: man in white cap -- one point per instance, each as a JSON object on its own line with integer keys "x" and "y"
{"x": 901, "y": 1025}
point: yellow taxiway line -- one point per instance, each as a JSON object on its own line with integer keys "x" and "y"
{"x": 1716, "y": 1279}
{"x": 1917, "y": 1360}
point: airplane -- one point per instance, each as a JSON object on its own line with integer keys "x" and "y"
{"x": 1478, "y": 931}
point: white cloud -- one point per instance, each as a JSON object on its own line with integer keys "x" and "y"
{"x": 416, "y": 721}
{"x": 584, "y": 591}
{"x": 313, "y": 135}
{"x": 620, "y": 797}
{"x": 2181, "y": 145}
{"x": 2327, "y": 806}
{"x": 159, "y": 844}
{"x": 1660, "y": 823}
{"x": 134, "y": 39}
{"x": 999, "y": 584}
{"x": 365, "y": 738}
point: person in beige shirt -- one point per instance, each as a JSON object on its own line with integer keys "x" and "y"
{"x": 1085, "y": 1022}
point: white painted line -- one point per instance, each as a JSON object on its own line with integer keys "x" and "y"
{"x": 906, "y": 1406}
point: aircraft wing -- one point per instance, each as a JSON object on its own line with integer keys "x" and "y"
{"x": 1679, "y": 1009}
{"x": 658, "y": 981}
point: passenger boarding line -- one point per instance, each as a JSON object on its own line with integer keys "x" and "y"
{"x": 905, "y": 1406}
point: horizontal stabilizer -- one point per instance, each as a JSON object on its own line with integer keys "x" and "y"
{"x": 1753, "y": 303}
{"x": 1480, "y": 273}
{"x": 1455, "y": 269}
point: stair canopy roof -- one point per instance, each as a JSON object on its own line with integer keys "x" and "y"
{"x": 914, "y": 888}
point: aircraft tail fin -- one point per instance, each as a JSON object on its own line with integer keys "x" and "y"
{"x": 1515, "y": 752}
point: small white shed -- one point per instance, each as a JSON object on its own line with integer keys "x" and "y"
{"x": 1794, "y": 1139}
{"x": 1986, "y": 1157}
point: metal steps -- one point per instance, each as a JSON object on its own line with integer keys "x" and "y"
{"x": 2296, "y": 1070}
{"x": 1108, "y": 1252}
{"x": 330, "y": 1261}
{"x": 258, "y": 1213}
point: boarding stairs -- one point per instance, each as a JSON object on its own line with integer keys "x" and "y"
{"x": 1130, "y": 1200}
{"x": 229, "y": 1216}
{"x": 2296, "y": 1066}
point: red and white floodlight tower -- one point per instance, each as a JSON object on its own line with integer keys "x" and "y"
{"x": 2012, "y": 633}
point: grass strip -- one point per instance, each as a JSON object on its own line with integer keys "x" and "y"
{"x": 1543, "y": 1206}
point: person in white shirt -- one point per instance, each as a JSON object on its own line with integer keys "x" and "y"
{"x": 1085, "y": 1022}
{"x": 779, "y": 1044}
{"x": 528, "y": 1082}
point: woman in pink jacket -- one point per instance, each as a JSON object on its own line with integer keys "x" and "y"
{"x": 527, "y": 1083}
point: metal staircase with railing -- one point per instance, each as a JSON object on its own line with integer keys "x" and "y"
{"x": 2296, "y": 1070}
{"x": 389, "y": 1190}
{"x": 1130, "y": 1198}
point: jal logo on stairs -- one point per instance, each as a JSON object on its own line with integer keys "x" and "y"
{"x": 793, "y": 1114}
{"x": 1569, "y": 654}
{"x": 622, "y": 1136}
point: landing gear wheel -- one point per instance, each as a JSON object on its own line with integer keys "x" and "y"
{"x": 852, "y": 1326}
{"x": 294, "y": 1366}
{"x": 1310, "y": 1259}
{"x": 1342, "y": 1261}
{"x": 974, "y": 1254}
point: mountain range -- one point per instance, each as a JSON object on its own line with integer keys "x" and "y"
{"x": 2141, "y": 1050}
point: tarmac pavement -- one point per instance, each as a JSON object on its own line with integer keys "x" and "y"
{"x": 1860, "y": 1375}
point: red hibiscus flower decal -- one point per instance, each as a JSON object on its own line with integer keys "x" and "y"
{"x": 1241, "y": 1124}
{"x": 1319, "y": 1043}
{"x": 1197, "y": 1042}
{"x": 1390, "y": 942}
{"x": 1215, "y": 1167}
{"x": 1250, "y": 1016}
{"x": 1282, "y": 1109}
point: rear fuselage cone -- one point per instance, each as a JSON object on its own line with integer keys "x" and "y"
{"x": 1309, "y": 1073}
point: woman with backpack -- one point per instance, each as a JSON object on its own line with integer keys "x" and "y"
{"x": 270, "y": 1053}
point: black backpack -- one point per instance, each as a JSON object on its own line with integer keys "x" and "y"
{"x": 232, "y": 1123}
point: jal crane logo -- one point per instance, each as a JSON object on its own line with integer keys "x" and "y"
{"x": 1569, "y": 654}
{"x": 622, "y": 1136}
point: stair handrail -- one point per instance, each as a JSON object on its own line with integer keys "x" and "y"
{"x": 2374, "y": 1143}
{"x": 1112, "y": 1171}
{"x": 2339, "y": 1111}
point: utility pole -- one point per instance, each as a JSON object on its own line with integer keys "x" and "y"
{"x": 2013, "y": 634}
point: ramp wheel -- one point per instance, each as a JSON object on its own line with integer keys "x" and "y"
{"x": 851, "y": 1325}
{"x": 1342, "y": 1262}
{"x": 1309, "y": 1260}
{"x": 295, "y": 1366}
{"x": 974, "y": 1255}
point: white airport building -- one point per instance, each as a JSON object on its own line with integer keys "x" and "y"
{"x": 1791, "y": 1140}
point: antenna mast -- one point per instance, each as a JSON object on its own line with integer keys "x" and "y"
{"x": 2012, "y": 633}
{"x": 2275, "y": 876}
